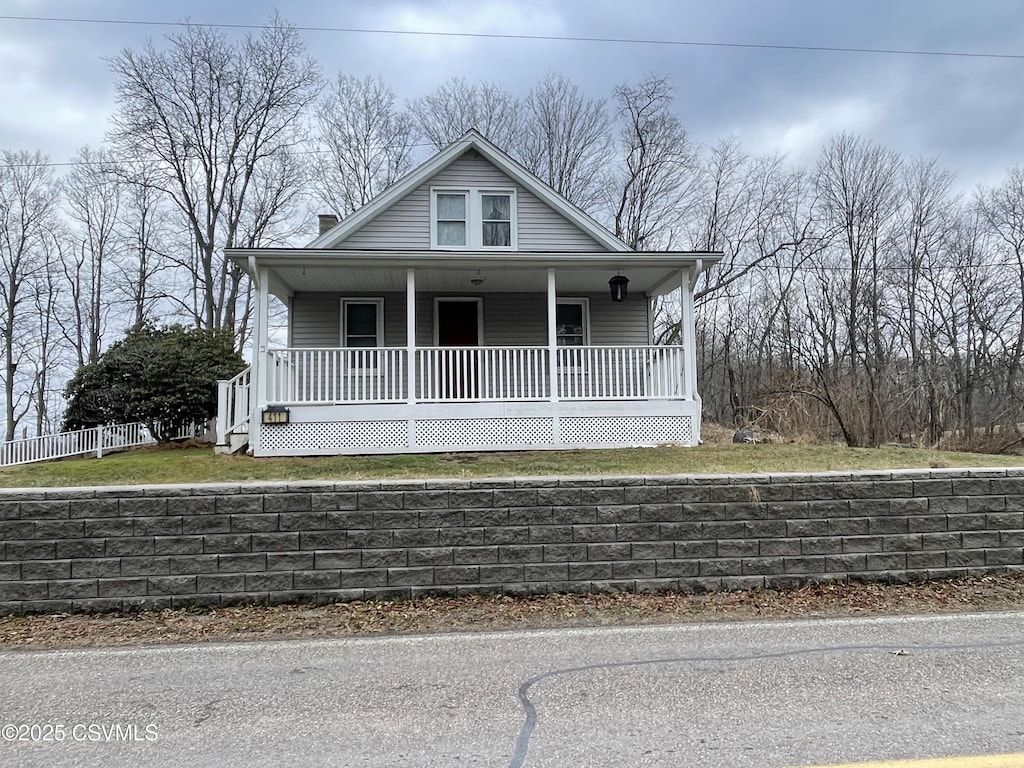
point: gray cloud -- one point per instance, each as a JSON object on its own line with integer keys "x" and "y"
{"x": 966, "y": 111}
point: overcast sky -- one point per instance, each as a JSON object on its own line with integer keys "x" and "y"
{"x": 57, "y": 92}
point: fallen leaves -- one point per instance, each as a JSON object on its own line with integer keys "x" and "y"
{"x": 479, "y": 613}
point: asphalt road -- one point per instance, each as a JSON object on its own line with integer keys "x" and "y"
{"x": 764, "y": 694}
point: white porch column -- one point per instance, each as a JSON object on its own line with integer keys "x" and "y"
{"x": 552, "y": 338}
{"x": 688, "y": 330}
{"x": 410, "y": 346}
{"x": 260, "y": 366}
{"x": 410, "y": 334}
{"x": 260, "y": 369}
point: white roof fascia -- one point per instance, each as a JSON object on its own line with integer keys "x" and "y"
{"x": 471, "y": 140}
{"x": 282, "y": 257}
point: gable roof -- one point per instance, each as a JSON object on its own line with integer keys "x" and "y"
{"x": 471, "y": 140}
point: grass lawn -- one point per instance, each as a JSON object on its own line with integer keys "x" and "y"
{"x": 199, "y": 465}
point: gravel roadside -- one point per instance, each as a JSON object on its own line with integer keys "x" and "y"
{"x": 482, "y": 613}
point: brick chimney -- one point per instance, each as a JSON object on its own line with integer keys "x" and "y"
{"x": 327, "y": 221}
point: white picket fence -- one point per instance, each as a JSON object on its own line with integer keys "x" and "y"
{"x": 95, "y": 441}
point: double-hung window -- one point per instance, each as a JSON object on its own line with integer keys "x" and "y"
{"x": 572, "y": 333}
{"x": 496, "y": 220}
{"x": 571, "y": 322}
{"x": 473, "y": 218}
{"x": 450, "y": 220}
{"x": 362, "y": 327}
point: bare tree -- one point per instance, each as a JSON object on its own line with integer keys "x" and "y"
{"x": 565, "y": 139}
{"x": 208, "y": 114}
{"x": 44, "y": 355}
{"x": 1002, "y": 209}
{"x": 457, "y": 106}
{"x": 859, "y": 191}
{"x": 659, "y": 165}
{"x": 143, "y": 229}
{"x": 921, "y": 234}
{"x": 966, "y": 310}
{"x": 752, "y": 209}
{"x": 28, "y": 205}
{"x": 366, "y": 143}
{"x": 759, "y": 214}
{"x": 92, "y": 195}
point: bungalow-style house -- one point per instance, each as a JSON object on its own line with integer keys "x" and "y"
{"x": 468, "y": 307}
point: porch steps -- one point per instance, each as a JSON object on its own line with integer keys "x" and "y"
{"x": 236, "y": 442}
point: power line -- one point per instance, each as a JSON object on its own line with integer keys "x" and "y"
{"x": 548, "y": 38}
{"x": 130, "y": 161}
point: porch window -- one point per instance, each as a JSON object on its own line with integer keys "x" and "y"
{"x": 571, "y": 326}
{"x": 362, "y": 327}
{"x": 473, "y": 218}
{"x": 362, "y": 322}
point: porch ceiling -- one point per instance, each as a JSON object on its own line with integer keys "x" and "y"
{"x": 309, "y": 270}
{"x": 297, "y": 279}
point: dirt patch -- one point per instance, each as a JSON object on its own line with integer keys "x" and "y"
{"x": 477, "y": 613}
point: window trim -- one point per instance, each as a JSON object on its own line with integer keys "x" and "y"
{"x": 474, "y": 218}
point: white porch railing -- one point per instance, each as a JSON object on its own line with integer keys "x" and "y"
{"x": 473, "y": 374}
{"x": 620, "y": 373}
{"x": 376, "y": 375}
{"x": 233, "y": 405}
{"x": 95, "y": 440}
{"x": 482, "y": 373}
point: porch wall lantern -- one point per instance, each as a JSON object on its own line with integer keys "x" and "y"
{"x": 618, "y": 287}
{"x": 275, "y": 414}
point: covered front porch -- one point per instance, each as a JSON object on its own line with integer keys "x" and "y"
{"x": 433, "y": 392}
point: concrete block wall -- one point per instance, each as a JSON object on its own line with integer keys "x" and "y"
{"x": 96, "y": 549}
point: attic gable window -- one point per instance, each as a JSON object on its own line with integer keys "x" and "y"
{"x": 473, "y": 218}
{"x": 451, "y": 219}
{"x": 496, "y": 215}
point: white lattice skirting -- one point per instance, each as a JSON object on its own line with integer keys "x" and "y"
{"x": 627, "y": 430}
{"x": 432, "y": 435}
{"x": 334, "y": 437}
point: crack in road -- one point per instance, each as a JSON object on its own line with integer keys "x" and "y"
{"x": 522, "y": 744}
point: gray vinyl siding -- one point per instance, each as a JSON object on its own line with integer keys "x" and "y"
{"x": 316, "y": 319}
{"x": 510, "y": 319}
{"x": 622, "y": 324}
{"x": 406, "y": 224}
{"x": 542, "y": 229}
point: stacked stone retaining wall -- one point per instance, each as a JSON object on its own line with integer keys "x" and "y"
{"x": 124, "y": 548}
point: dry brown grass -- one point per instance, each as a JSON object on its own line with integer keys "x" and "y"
{"x": 479, "y": 613}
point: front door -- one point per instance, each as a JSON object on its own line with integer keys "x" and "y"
{"x": 458, "y": 325}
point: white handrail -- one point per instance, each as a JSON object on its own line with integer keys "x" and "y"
{"x": 94, "y": 440}
{"x": 233, "y": 398}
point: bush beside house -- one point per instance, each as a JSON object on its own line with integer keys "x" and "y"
{"x": 165, "y": 377}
